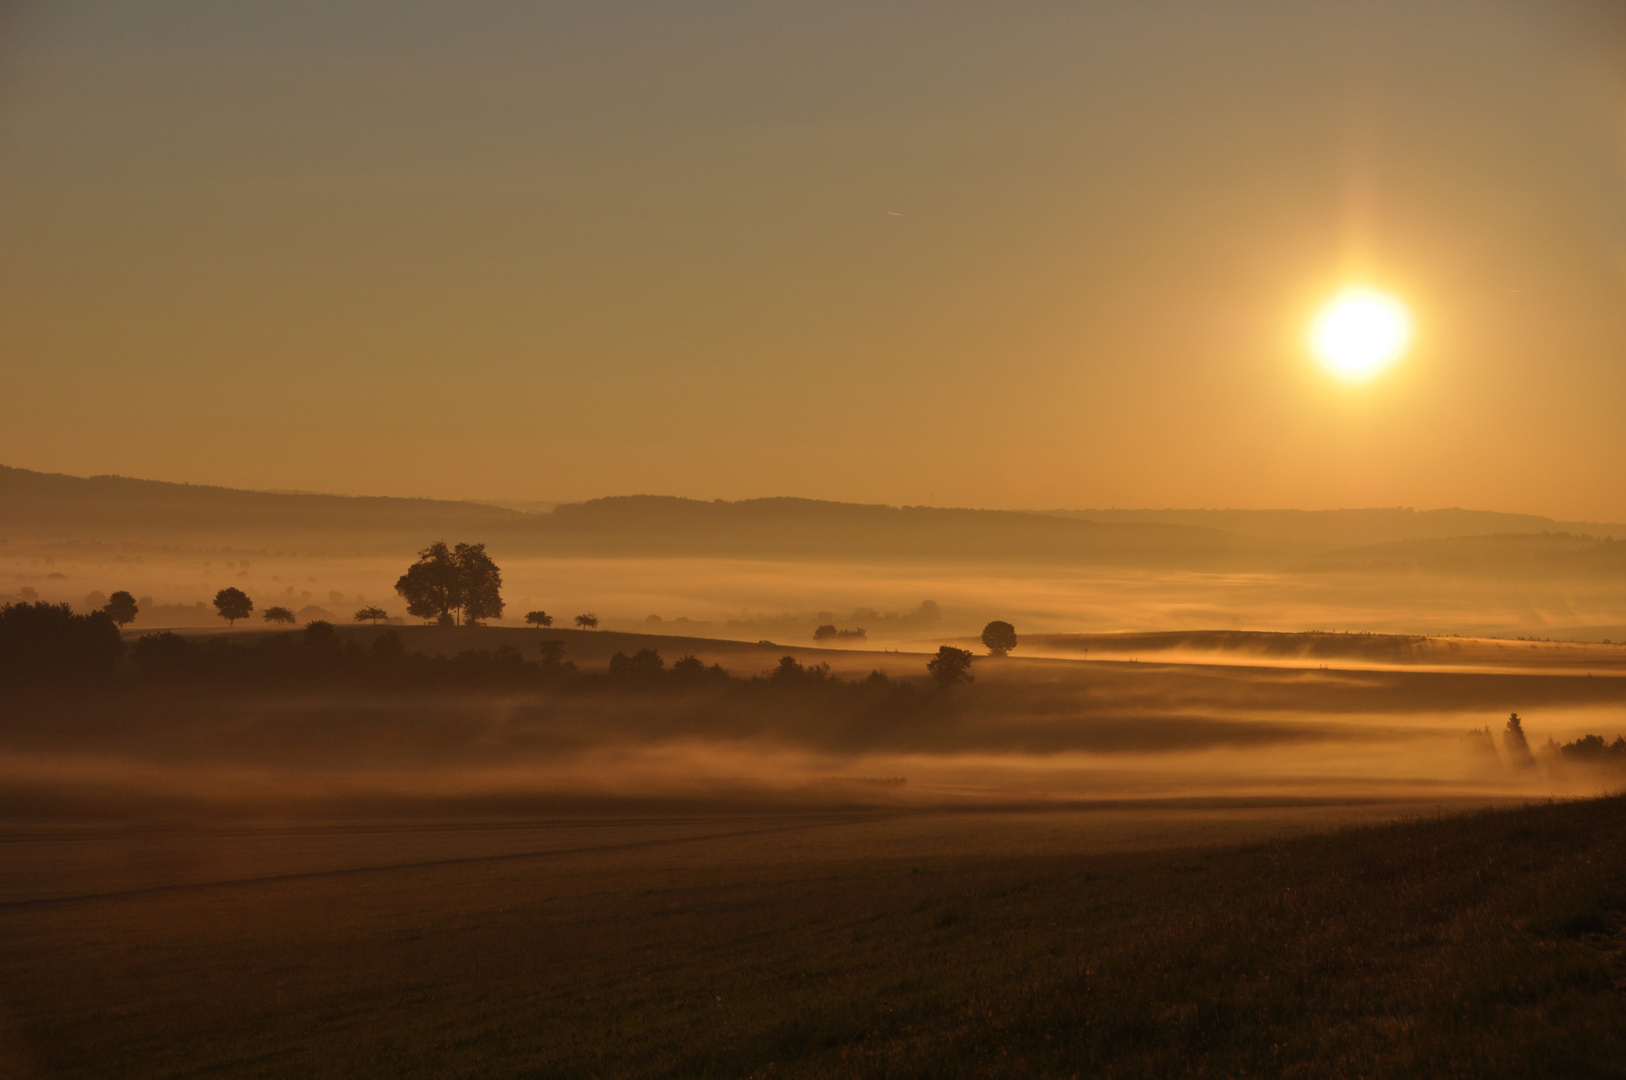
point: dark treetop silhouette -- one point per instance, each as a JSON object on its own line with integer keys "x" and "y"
{"x": 999, "y": 637}
{"x": 278, "y": 615}
{"x": 121, "y": 607}
{"x": 950, "y": 666}
{"x": 233, "y": 604}
{"x": 452, "y": 586}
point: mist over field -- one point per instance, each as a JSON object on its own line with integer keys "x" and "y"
{"x": 865, "y": 541}
{"x": 1158, "y": 660}
{"x": 781, "y": 567}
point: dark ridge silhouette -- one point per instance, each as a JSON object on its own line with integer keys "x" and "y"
{"x": 1377, "y": 525}
{"x": 57, "y": 507}
{"x": 103, "y": 510}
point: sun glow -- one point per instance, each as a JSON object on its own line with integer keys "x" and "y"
{"x": 1359, "y": 333}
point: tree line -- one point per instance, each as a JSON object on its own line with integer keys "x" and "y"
{"x": 448, "y": 585}
{"x": 44, "y": 644}
{"x": 461, "y": 585}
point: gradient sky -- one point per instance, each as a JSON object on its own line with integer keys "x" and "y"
{"x": 1005, "y": 255}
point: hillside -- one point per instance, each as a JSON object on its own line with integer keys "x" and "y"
{"x": 57, "y": 508}
{"x": 1378, "y": 525}
{"x": 52, "y": 509}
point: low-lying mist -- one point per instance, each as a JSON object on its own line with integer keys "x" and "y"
{"x": 1029, "y": 731}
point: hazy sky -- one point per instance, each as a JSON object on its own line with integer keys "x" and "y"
{"x": 1014, "y": 254}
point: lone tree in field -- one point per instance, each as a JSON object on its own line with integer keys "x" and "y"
{"x": 452, "y": 585}
{"x": 121, "y": 608}
{"x": 372, "y": 615}
{"x": 950, "y": 666}
{"x": 1516, "y": 745}
{"x": 233, "y": 604}
{"x": 278, "y": 615}
{"x": 1000, "y": 637}
{"x": 588, "y": 621}
{"x": 538, "y": 619}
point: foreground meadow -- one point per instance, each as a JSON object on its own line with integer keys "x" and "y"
{"x": 997, "y": 944}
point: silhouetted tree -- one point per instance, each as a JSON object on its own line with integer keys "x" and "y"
{"x": 461, "y": 580}
{"x": 643, "y": 668}
{"x": 1594, "y": 748}
{"x": 950, "y": 666}
{"x": 538, "y": 619}
{"x": 479, "y": 583}
{"x": 372, "y": 615}
{"x": 321, "y": 636}
{"x": 121, "y": 608}
{"x": 589, "y": 621}
{"x": 233, "y": 604}
{"x": 430, "y": 585}
{"x": 825, "y": 632}
{"x": 999, "y": 637}
{"x": 42, "y": 642}
{"x": 791, "y": 673}
{"x": 1515, "y": 743}
{"x": 163, "y": 653}
{"x": 278, "y": 615}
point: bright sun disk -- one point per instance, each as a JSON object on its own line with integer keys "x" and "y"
{"x": 1359, "y": 333}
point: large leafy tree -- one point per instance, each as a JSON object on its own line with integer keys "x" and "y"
{"x": 446, "y": 583}
{"x": 121, "y": 608}
{"x": 479, "y": 583}
{"x": 430, "y": 586}
{"x": 233, "y": 604}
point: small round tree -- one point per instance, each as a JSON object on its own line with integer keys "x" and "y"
{"x": 233, "y": 604}
{"x": 278, "y": 615}
{"x": 588, "y": 621}
{"x": 121, "y": 608}
{"x": 950, "y": 666}
{"x": 372, "y": 615}
{"x": 538, "y": 619}
{"x": 1000, "y": 637}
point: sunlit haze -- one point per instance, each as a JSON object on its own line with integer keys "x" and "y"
{"x": 1360, "y": 332}
{"x": 872, "y": 538}
{"x": 1032, "y": 255}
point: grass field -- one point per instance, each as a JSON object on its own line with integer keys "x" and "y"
{"x": 1210, "y": 863}
{"x": 1054, "y": 943}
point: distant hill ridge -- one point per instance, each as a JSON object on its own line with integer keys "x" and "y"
{"x": 1367, "y": 526}
{"x": 59, "y": 508}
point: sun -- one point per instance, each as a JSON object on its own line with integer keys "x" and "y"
{"x": 1359, "y": 333}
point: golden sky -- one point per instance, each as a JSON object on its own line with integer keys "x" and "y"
{"x": 1004, "y": 255}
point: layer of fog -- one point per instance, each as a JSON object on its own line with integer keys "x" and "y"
{"x": 785, "y": 601}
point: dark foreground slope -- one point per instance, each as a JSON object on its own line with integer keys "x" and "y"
{"x": 1488, "y": 945}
